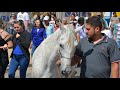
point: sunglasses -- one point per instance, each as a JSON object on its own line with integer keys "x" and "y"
{"x": 17, "y": 27}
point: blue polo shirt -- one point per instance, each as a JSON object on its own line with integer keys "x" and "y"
{"x": 17, "y": 50}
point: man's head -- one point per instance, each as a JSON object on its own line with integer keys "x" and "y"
{"x": 114, "y": 14}
{"x": 13, "y": 15}
{"x": 46, "y": 20}
{"x": 53, "y": 17}
{"x": 93, "y": 27}
{"x": 64, "y": 21}
{"x": 81, "y": 21}
{"x": 99, "y": 14}
{"x": 73, "y": 16}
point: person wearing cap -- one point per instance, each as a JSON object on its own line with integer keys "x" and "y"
{"x": 11, "y": 23}
{"x": 49, "y": 27}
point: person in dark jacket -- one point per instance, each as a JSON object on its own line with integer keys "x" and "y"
{"x": 5, "y": 44}
{"x": 38, "y": 34}
{"x": 20, "y": 55}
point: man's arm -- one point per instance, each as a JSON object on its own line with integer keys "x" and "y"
{"x": 115, "y": 70}
{"x": 114, "y": 54}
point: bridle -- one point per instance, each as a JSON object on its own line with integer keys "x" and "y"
{"x": 61, "y": 56}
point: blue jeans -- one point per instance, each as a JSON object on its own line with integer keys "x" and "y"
{"x": 33, "y": 49}
{"x": 18, "y": 60}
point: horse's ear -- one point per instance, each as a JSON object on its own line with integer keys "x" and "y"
{"x": 75, "y": 43}
{"x": 77, "y": 30}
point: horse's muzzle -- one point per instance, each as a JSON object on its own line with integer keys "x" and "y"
{"x": 66, "y": 72}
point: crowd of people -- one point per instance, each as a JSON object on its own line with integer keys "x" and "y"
{"x": 98, "y": 48}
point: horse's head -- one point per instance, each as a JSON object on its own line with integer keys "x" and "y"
{"x": 67, "y": 44}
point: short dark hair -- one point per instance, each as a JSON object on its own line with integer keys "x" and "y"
{"x": 95, "y": 21}
{"x": 81, "y": 20}
{"x": 53, "y": 14}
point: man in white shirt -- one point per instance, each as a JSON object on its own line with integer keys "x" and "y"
{"x": 20, "y": 16}
{"x": 25, "y": 17}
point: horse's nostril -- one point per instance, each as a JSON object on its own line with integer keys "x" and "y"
{"x": 62, "y": 72}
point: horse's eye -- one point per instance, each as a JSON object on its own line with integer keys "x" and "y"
{"x": 61, "y": 46}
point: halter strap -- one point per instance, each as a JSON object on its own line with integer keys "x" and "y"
{"x": 62, "y": 55}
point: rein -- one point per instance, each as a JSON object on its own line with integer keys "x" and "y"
{"x": 62, "y": 55}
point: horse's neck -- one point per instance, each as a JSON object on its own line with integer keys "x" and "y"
{"x": 53, "y": 37}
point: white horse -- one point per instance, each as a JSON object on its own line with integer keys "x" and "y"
{"x": 59, "y": 45}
